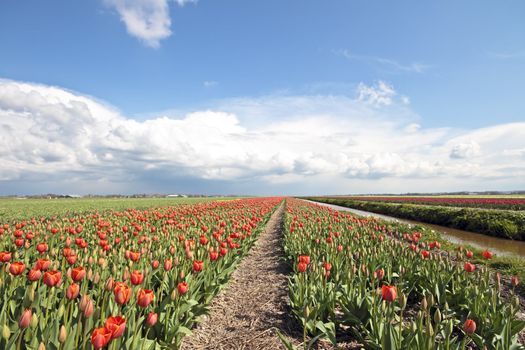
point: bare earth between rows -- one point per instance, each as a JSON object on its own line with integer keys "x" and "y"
{"x": 254, "y": 304}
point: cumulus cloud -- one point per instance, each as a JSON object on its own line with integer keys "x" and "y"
{"x": 380, "y": 94}
{"x": 147, "y": 20}
{"x": 51, "y": 134}
{"x": 465, "y": 150}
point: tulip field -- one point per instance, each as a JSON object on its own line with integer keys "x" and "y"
{"x": 376, "y": 283}
{"x": 120, "y": 279}
{"x": 493, "y": 202}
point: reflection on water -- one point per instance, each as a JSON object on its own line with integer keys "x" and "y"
{"x": 497, "y": 245}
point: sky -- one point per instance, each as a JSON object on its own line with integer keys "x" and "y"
{"x": 261, "y": 97}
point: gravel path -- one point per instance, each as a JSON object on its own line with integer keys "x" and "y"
{"x": 247, "y": 311}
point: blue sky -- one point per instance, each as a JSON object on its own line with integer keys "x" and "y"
{"x": 445, "y": 71}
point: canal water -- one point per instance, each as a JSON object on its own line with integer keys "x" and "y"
{"x": 497, "y": 245}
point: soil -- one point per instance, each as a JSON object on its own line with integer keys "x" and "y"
{"x": 254, "y": 304}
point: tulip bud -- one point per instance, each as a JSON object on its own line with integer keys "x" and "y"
{"x": 173, "y": 295}
{"x": 430, "y": 330}
{"x": 437, "y": 316}
{"x": 61, "y": 310}
{"x": 62, "y": 335}
{"x": 402, "y": 300}
{"x": 430, "y": 300}
{"x": 152, "y": 319}
{"x": 88, "y": 311}
{"x": 34, "y": 321}
{"x": 6, "y": 332}
{"x": 516, "y": 302}
{"x": 413, "y": 327}
{"x": 424, "y": 303}
{"x": 31, "y": 293}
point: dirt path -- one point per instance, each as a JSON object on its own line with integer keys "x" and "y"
{"x": 247, "y": 311}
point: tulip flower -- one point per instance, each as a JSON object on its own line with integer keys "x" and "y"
{"x": 34, "y": 275}
{"x": 198, "y": 265}
{"x": 17, "y": 268}
{"x": 122, "y": 293}
{"x": 167, "y": 264}
{"x": 389, "y": 293}
{"x": 469, "y": 267}
{"x": 469, "y": 326}
{"x": 52, "y": 278}
{"x": 514, "y": 281}
{"x": 116, "y": 325}
{"x": 78, "y": 273}
{"x": 42, "y": 264}
{"x": 487, "y": 254}
{"x": 182, "y": 287}
{"x": 145, "y": 297}
{"x": 152, "y": 318}
{"x": 5, "y": 257}
{"x": 100, "y": 337}
{"x": 25, "y": 319}
{"x": 73, "y": 291}
{"x": 137, "y": 277}
{"x": 301, "y": 267}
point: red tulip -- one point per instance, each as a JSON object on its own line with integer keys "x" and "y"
{"x": 34, "y": 275}
{"x": 470, "y": 326}
{"x": 380, "y": 273}
{"x": 168, "y": 264}
{"x": 145, "y": 297}
{"x": 470, "y": 267}
{"x": 198, "y": 265}
{"x": 152, "y": 319}
{"x": 514, "y": 280}
{"x": 304, "y": 259}
{"x": 42, "y": 264}
{"x": 122, "y": 293}
{"x": 302, "y": 266}
{"x": 116, "y": 325}
{"x": 425, "y": 254}
{"x": 389, "y": 293}
{"x": 214, "y": 255}
{"x": 100, "y": 337}
{"x": 487, "y": 255}
{"x": 5, "y": 257}
{"x": 17, "y": 268}
{"x": 25, "y": 319}
{"x": 72, "y": 291}
{"x": 469, "y": 254}
{"x": 137, "y": 277}
{"x": 134, "y": 256}
{"x": 155, "y": 264}
{"x": 52, "y": 278}
{"x": 223, "y": 251}
{"x": 182, "y": 288}
{"x": 78, "y": 273}
{"x": 41, "y": 247}
{"x": 89, "y": 309}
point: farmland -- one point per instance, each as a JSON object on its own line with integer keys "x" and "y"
{"x": 493, "y": 222}
{"x": 121, "y": 278}
{"x": 486, "y": 202}
{"x": 156, "y": 274}
{"x": 346, "y": 282}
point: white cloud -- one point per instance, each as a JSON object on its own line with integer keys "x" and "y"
{"x": 147, "y": 20}
{"x": 210, "y": 83}
{"x": 184, "y": 2}
{"x": 392, "y": 65}
{"x": 465, "y": 150}
{"x": 313, "y": 142}
{"x": 379, "y": 95}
